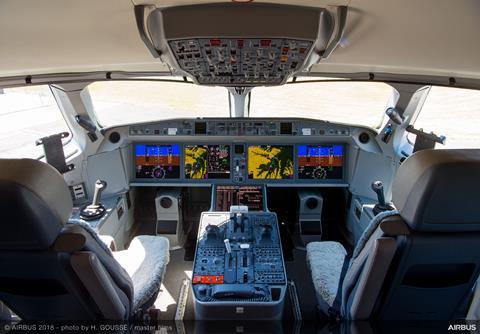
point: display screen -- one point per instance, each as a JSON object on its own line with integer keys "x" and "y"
{"x": 157, "y": 161}
{"x": 320, "y": 162}
{"x": 207, "y": 162}
{"x": 251, "y": 196}
{"x": 270, "y": 162}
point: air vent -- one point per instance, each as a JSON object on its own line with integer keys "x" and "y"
{"x": 166, "y": 202}
{"x": 114, "y": 137}
{"x": 364, "y": 138}
{"x": 311, "y": 203}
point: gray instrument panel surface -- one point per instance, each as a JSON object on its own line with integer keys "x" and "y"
{"x": 240, "y": 127}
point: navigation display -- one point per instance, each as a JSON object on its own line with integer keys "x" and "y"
{"x": 251, "y": 196}
{"x": 270, "y": 162}
{"x": 320, "y": 162}
{"x": 157, "y": 161}
{"x": 207, "y": 162}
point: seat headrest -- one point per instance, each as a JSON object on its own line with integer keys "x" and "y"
{"x": 35, "y": 203}
{"x": 438, "y": 190}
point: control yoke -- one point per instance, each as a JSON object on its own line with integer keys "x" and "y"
{"x": 95, "y": 210}
{"x": 377, "y": 187}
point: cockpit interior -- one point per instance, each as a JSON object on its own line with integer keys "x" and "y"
{"x": 213, "y": 166}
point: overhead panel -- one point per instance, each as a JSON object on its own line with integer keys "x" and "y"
{"x": 231, "y": 45}
{"x": 240, "y": 61}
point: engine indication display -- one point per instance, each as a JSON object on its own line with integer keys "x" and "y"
{"x": 226, "y": 196}
{"x": 270, "y": 162}
{"x": 207, "y": 162}
{"x": 320, "y": 162}
{"x": 157, "y": 161}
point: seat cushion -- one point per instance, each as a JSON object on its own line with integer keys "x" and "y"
{"x": 145, "y": 261}
{"x": 326, "y": 262}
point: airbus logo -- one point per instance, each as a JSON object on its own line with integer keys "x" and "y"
{"x": 463, "y": 327}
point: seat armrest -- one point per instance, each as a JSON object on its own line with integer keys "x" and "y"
{"x": 71, "y": 239}
{"x": 99, "y": 285}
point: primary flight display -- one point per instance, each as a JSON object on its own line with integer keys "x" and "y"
{"x": 320, "y": 162}
{"x": 157, "y": 161}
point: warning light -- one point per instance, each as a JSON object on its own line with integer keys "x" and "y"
{"x": 215, "y": 42}
{"x": 265, "y": 42}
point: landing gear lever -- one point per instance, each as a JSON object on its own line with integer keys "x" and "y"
{"x": 95, "y": 210}
{"x": 377, "y": 187}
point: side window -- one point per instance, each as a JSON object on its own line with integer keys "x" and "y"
{"x": 454, "y": 113}
{"x": 27, "y": 114}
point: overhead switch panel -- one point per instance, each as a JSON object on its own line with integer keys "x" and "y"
{"x": 237, "y": 45}
{"x": 240, "y": 61}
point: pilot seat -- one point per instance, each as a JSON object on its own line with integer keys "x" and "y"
{"x": 418, "y": 262}
{"x": 52, "y": 269}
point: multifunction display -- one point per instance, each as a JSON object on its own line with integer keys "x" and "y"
{"x": 157, "y": 161}
{"x": 207, "y": 162}
{"x": 270, "y": 162}
{"x": 320, "y": 162}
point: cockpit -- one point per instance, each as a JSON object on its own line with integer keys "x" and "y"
{"x": 239, "y": 167}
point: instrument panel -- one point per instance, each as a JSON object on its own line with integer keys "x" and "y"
{"x": 239, "y": 163}
{"x": 275, "y": 152}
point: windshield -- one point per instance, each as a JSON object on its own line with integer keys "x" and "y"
{"x": 361, "y": 103}
{"x": 123, "y": 102}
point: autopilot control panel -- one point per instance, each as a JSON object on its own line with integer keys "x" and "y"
{"x": 239, "y": 269}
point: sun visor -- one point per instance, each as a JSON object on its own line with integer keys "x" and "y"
{"x": 237, "y": 45}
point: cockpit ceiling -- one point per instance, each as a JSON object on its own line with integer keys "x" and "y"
{"x": 409, "y": 37}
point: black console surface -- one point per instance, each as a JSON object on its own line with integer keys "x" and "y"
{"x": 239, "y": 265}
